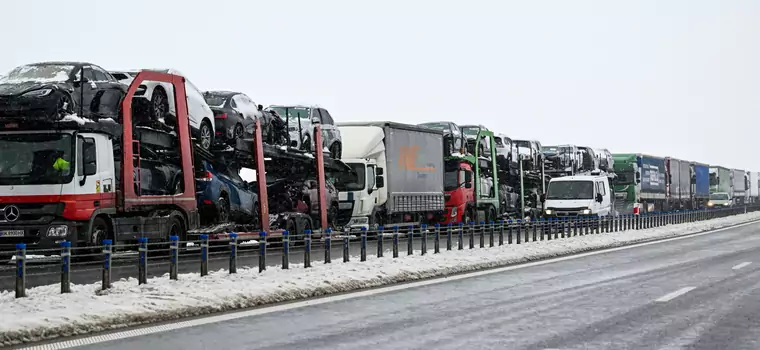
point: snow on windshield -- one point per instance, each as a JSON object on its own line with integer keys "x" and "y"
{"x": 38, "y": 73}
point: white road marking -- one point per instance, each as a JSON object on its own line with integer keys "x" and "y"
{"x": 741, "y": 265}
{"x": 96, "y": 339}
{"x": 676, "y": 294}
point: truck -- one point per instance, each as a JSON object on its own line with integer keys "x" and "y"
{"x": 720, "y": 180}
{"x": 640, "y": 185}
{"x": 400, "y": 171}
{"x": 739, "y": 186}
{"x": 677, "y": 183}
{"x": 96, "y": 196}
{"x": 754, "y": 187}
{"x": 700, "y": 185}
{"x": 471, "y": 181}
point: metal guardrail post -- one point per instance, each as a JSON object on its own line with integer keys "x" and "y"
{"x": 491, "y": 229}
{"x": 437, "y": 239}
{"x": 575, "y": 226}
{"x": 65, "y": 267}
{"x": 20, "y": 270}
{"x": 423, "y": 246}
{"x": 307, "y": 249}
{"x": 460, "y": 236}
{"x": 509, "y": 231}
{"x": 328, "y": 246}
{"x": 346, "y": 248}
{"x": 262, "y": 251}
{"x": 395, "y": 242}
{"x": 471, "y": 234}
{"x": 233, "y": 252}
{"x": 557, "y": 227}
{"x": 285, "y": 250}
{"x": 410, "y": 240}
{"x": 449, "y": 233}
{"x": 534, "y": 227}
{"x": 363, "y": 253}
{"x": 527, "y": 230}
{"x": 481, "y": 233}
{"x": 204, "y": 255}
{"x": 380, "y": 237}
{"x": 174, "y": 256}
{"x": 142, "y": 261}
{"x": 106, "y": 280}
{"x": 542, "y": 229}
{"x": 519, "y": 231}
{"x": 501, "y": 232}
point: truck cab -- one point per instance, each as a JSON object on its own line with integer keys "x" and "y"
{"x": 577, "y": 196}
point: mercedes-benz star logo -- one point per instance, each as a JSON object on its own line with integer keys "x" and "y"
{"x": 11, "y": 213}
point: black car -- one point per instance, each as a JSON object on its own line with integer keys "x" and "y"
{"x": 235, "y": 114}
{"x": 56, "y": 89}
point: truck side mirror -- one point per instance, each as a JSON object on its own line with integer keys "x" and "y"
{"x": 379, "y": 172}
{"x": 315, "y": 120}
{"x": 599, "y": 198}
{"x": 543, "y": 198}
{"x": 379, "y": 180}
{"x": 638, "y": 177}
{"x": 468, "y": 184}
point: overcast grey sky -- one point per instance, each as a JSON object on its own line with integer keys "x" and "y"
{"x": 665, "y": 77}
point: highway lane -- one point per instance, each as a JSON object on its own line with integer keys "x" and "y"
{"x": 696, "y": 293}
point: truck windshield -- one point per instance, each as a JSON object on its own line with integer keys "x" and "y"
{"x": 345, "y": 181}
{"x": 570, "y": 190}
{"x": 713, "y": 179}
{"x": 451, "y": 180}
{"x": 719, "y": 196}
{"x": 625, "y": 178}
{"x": 36, "y": 159}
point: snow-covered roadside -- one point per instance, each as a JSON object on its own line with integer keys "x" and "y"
{"x": 46, "y": 313}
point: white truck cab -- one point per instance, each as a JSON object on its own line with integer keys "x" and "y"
{"x": 578, "y": 196}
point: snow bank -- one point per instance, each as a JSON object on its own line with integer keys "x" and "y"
{"x": 46, "y": 313}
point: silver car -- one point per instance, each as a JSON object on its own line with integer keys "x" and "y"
{"x": 301, "y": 121}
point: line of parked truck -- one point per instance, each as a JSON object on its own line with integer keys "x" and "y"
{"x": 92, "y": 155}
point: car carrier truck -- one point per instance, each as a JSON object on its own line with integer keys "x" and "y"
{"x": 700, "y": 185}
{"x": 400, "y": 174}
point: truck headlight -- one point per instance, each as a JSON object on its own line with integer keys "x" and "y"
{"x": 726, "y": 204}
{"x": 548, "y": 212}
{"x": 710, "y": 204}
{"x": 454, "y": 212}
{"x": 586, "y": 211}
{"x": 58, "y": 231}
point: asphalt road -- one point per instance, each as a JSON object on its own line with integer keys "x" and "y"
{"x": 695, "y": 293}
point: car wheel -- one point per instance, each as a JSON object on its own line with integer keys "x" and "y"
{"x": 335, "y": 150}
{"x": 206, "y": 135}
{"x": 65, "y": 106}
{"x": 222, "y": 210}
{"x": 238, "y": 132}
{"x": 159, "y": 104}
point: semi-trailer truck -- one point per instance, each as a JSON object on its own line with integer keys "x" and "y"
{"x": 754, "y": 187}
{"x": 739, "y": 186}
{"x": 678, "y": 183}
{"x": 700, "y": 185}
{"x": 401, "y": 174}
{"x": 720, "y": 180}
{"x": 640, "y": 183}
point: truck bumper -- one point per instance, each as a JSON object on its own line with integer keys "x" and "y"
{"x": 40, "y": 236}
{"x": 357, "y": 222}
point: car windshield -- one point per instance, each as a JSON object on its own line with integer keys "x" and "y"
{"x": 451, "y": 180}
{"x": 719, "y": 196}
{"x": 215, "y": 100}
{"x": 523, "y": 147}
{"x": 471, "y": 130}
{"x": 35, "y": 159}
{"x": 292, "y": 112}
{"x": 570, "y": 190}
{"x": 345, "y": 181}
{"x": 437, "y": 126}
{"x": 39, "y": 73}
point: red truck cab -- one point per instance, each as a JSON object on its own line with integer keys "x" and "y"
{"x": 459, "y": 192}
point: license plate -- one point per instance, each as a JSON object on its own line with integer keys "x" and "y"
{"x": 12, "y": 233}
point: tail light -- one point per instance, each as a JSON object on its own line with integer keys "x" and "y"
{"x": 205, "y": 176}
{"x": 221, "y": 116}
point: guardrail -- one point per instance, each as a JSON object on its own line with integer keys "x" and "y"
{"x": 146, "y": 259}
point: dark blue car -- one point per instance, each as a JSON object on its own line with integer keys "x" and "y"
{"x": 223, "y": 196}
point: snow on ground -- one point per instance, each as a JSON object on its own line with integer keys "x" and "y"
{"x": 46, "y": 313}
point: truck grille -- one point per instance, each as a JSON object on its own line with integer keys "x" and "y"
{"x": 31, "y": 213}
